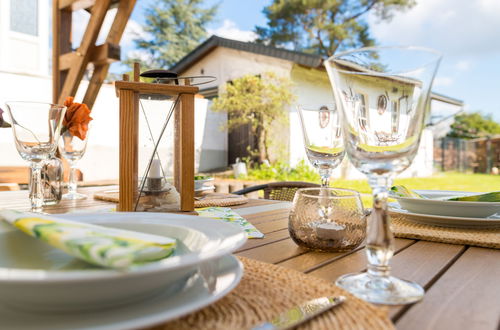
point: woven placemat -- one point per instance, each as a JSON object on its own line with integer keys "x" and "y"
{"x": 267, "y": 290}
{"x": 211, "y": 199}
{"x": 487, "y": 237}
{"x": 218, "y": 199}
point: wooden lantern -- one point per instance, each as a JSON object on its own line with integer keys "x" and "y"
{"x": 128, "y": 93}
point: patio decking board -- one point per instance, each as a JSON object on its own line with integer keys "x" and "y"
{"x": 462, "y": 283}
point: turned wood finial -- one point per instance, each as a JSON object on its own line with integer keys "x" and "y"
{"x": 125, "y": 77}
{"x": 137, "y": 71}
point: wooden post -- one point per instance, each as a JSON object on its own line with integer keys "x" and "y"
{"x": 186, "y": 146}
{"x": 129, "y": 140}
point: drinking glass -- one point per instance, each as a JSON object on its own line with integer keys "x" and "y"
{"x": 72, "y": 149}
{"x": 383, "y": 95}
{"x": 322, "y": 138}
{"x": 327, "y": 219}
{"x": 36, "y": 127}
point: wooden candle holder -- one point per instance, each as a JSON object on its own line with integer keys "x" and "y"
{"x": 128, "y": 93}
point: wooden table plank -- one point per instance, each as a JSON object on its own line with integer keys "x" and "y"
{"x": 351, "y": 263}
{"x": 423, "y": 262}
{"x": 268, "y": 239}
{"x": 281, "y": 250}
{"x": 275, "y": 225}
{"x": 467, "y": 296}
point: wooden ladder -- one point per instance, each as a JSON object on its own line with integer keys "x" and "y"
{"x": 68, "y": 65}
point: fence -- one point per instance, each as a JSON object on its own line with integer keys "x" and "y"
{"x": 476, "y": 155}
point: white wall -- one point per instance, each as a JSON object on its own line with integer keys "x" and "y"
{"x": 100, "y": 161}
{"x": 227, "y": 64}
{"x": 24, "y": 53}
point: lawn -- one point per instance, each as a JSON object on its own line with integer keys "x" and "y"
{"x": 440, "y": 181}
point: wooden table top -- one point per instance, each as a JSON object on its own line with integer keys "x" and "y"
{"x": 462, "y": 283}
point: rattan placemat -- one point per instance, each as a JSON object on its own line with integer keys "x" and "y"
{"x": 219, "y": 199}
{"x": 211, "y": 199}
{"x": 487, "y": 237}
{"x": 267, "y": 290}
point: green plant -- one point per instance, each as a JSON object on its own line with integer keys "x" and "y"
{"x": 260, "y": 102}
{"x": 281, "y": 171}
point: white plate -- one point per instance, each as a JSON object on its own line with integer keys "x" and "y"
{"x": 35, "y": 276}
{"x": 201, "y": 183}
{"x": 446, "y": 221}
{"x": 437, "y": 206}
{"x": 146, "y": 313}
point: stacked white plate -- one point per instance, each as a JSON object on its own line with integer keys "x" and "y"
{"x": 43, "y": 288}
{"x": 436, "y": 210}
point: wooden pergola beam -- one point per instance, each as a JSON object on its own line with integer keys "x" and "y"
{"x": 115, "y": 33}
{"x": 68, "y": 66}
{"x": 99, "y": 55}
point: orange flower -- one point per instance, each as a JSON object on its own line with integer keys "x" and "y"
{"x": 77, "y": 118}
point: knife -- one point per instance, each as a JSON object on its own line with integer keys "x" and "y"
{"x": 301, "y": 313}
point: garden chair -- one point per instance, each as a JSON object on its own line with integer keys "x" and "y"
{"x": 282, "y": 191}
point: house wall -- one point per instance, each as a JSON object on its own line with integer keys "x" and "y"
{"x": 228, "y": 64}
{"x": 312, "y": 88}
{"x": 100, "y": 161}
{"x": 24, "y": 52}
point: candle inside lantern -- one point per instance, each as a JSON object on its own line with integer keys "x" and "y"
{"x": 154, "y": 176}
{"x": 330, "y": 230}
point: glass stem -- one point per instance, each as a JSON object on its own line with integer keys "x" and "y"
{"x": 379, "y": 237}
{"x": 325, "y": 177}
{"x": 36, "y": 193}
{"x": 72, "y": 183}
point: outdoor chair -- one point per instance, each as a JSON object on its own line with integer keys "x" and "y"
{"x": 281, "y": 191}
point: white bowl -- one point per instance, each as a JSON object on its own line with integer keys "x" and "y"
{"x": 36, "y": 276}
{"x": 435, "y": 205}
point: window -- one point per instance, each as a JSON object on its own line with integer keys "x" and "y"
{"x": 24, "y": 16}
{"x": 363, "y": 116}
{"x": 395, "y": 117}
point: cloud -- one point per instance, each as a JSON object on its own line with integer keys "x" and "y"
{"x": 81, "y": 19}
{"x": 463, "y": 65}
{"x": 230, "y": 30}
{"x": 443, "y": 81}
{"x": 455, "y": 27}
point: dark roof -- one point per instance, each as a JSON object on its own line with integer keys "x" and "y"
{"x": 214, "y": 41}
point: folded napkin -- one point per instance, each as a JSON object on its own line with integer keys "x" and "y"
{"x": 228, "y": 215}
{"x": 101, "y": 246}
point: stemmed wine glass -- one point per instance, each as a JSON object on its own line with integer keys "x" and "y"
{"x": 383, "y": 95}
{"x": 36, "y": 127}
{"x": 322, "y": 138}
{"x": 72, "y": 148}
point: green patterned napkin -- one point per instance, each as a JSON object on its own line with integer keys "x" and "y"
{"x": 101, "y": 246}
{"x": 228, "y": 215}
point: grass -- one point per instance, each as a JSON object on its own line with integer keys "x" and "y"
{"x": 441, "y": 181}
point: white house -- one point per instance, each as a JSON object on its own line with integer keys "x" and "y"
{"x": 24, "y": 75}
{"x": 229, "y": 59}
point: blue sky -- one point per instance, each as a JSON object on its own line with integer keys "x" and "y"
{"x": 465, "y": 31}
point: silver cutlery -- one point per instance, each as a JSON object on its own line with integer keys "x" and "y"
{"x": 301, "y": 313}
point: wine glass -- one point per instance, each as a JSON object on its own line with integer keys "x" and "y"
{"x": 383, "y": 95}
{"x": 36, "y": 127}
{"x": 322, "y": 138}
{"x": 72, "y": 149}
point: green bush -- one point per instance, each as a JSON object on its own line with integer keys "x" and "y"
{"x": 283, "y": 172}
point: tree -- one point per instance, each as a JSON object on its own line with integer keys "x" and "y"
{"x": 261, "y": 102}
{"x": 473, "y": 125}
{"x": 324, "y": 26}
{"x": 173, "y": 29}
